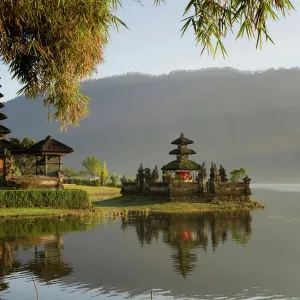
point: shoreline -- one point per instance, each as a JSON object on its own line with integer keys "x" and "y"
{"x": 107, "y": 201}
{"x": 126, "y": 208}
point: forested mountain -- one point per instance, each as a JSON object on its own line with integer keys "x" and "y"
{"x": 238, "y": 119}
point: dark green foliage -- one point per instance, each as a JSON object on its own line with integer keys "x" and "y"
{"x": 115, "y": 179}
{"x": 237, "y": 175}
{"x": 69, "y": 172}
{"x": 52, "y": 46}
{"x": 65, "y": 199}
{"x": 24, "y": 163}
{"x": 92, "y": 166}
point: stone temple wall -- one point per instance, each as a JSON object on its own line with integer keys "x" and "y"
{"x": 191, "y": 192}
{"x": 36, "y": 182}
{"x": 210, "y": 198}
{"x": 161, "y": 189}
{"x": 129, "y": 188}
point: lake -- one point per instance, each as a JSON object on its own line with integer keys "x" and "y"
{"x": 238, "y": 255}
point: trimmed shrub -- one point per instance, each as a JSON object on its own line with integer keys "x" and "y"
{"x": 67, "y": 199}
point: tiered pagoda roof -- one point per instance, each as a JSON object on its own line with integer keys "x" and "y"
{"x": 3, "y": 130}
{"x": 182, "y": 152}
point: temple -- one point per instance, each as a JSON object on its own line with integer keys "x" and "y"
{"x": 48, "y": 155}
{"x": 184, "y": 180}
{"x": 182, "y": 169}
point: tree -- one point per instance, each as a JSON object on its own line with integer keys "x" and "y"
{"x": 114, "y": 178}
{"x": 92, "y": 165}
{"x": 237, "y": 175}
{"x": 24, "y": 163}
{"x": 70, "y": 172}
{"x": 104, "y": 174}
{"x": 51, "y": 46}
{"x": 81, "y": 174}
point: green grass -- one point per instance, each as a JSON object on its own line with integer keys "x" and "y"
{"x": 96, "y": 193}
{"x": 140, "y": 203}
{"x": 15, "y": 212}
{"x": 108, "y": 200}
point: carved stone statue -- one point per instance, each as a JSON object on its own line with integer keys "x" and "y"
{"x": 123, "y": 180}
{"x": 201, "y": 178}
{"x": 60, "y": 180}
{"x": 164, "y": 176}
{"x": 247, "y": 182}
{"x": 155, "y": 175}
{"x": 214, "y": 179}
{"x": 147, "y": 180}
{"x": 222, "y": 174}
{"x": 140, "y": 178}
{"x": 8, "y": 166}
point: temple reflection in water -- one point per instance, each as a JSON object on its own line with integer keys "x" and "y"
{"x": 44, "y": 259}
{"x": 35, "y": 246}
{"x": 184, "y": 233}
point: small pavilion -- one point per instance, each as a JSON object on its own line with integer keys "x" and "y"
{"x": 182, "y": 169}
{"x": 48, "y": 154}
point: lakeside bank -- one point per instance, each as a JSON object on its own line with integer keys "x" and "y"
{"x": 108, "y": 201}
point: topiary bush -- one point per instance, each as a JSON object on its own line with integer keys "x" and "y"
{"x": 66, "y": 199}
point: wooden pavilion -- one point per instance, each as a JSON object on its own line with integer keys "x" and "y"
{"x": 48, "y": 154}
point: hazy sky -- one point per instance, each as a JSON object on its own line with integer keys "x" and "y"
{"x": 153, "y": 44}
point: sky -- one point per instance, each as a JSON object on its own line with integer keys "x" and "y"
{"x": 153, "y": 45}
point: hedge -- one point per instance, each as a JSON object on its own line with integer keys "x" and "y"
{"x": 67, "y": 199}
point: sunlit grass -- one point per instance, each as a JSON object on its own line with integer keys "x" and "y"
{"x": 96, "y": 193}
{"x": 14, "y": 212}
{"x": 143, "y": 203}
{"x": 108, "y": 200}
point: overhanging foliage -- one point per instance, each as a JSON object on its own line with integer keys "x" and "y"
{"x": 51, "y": 46}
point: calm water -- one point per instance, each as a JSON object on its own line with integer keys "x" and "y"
{"x": 246, "y": 255}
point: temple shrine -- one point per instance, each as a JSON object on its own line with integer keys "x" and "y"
{"x": 182, "y": 169}
{"x": 48, "y": 155}
{"x": 184, "y": 180}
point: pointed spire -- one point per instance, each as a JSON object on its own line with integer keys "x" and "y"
{"x": 3, "y": 130}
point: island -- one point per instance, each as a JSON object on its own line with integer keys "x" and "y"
{"x": 184, "y": 180}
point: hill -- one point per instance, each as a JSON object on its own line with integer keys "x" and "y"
{"x": 238, "y": 119}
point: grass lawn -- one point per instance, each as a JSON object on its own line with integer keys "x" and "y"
{"x": 140, "y": 203}
{"x": 28, "y": 212}
{"x": 96, "y": 192}
{"x": 109, "y": 200}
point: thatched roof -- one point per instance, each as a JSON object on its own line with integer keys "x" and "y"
{"x": 181, "y": 165}
{"x": 182, "y": 141}
{"x": 1, "y": 104}
{"x": 4, "y": 130}
{"x": 49, "y": 145}
{"x": 182, "y": 152}
{"x": 2, "y": 117}
{"x": 5, "y": 144}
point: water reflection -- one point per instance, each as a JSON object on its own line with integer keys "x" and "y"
{"x": 35, "y": 246}
{"x": 186, "y": 232}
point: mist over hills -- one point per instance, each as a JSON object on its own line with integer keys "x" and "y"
{"x": 238, "y": 119}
